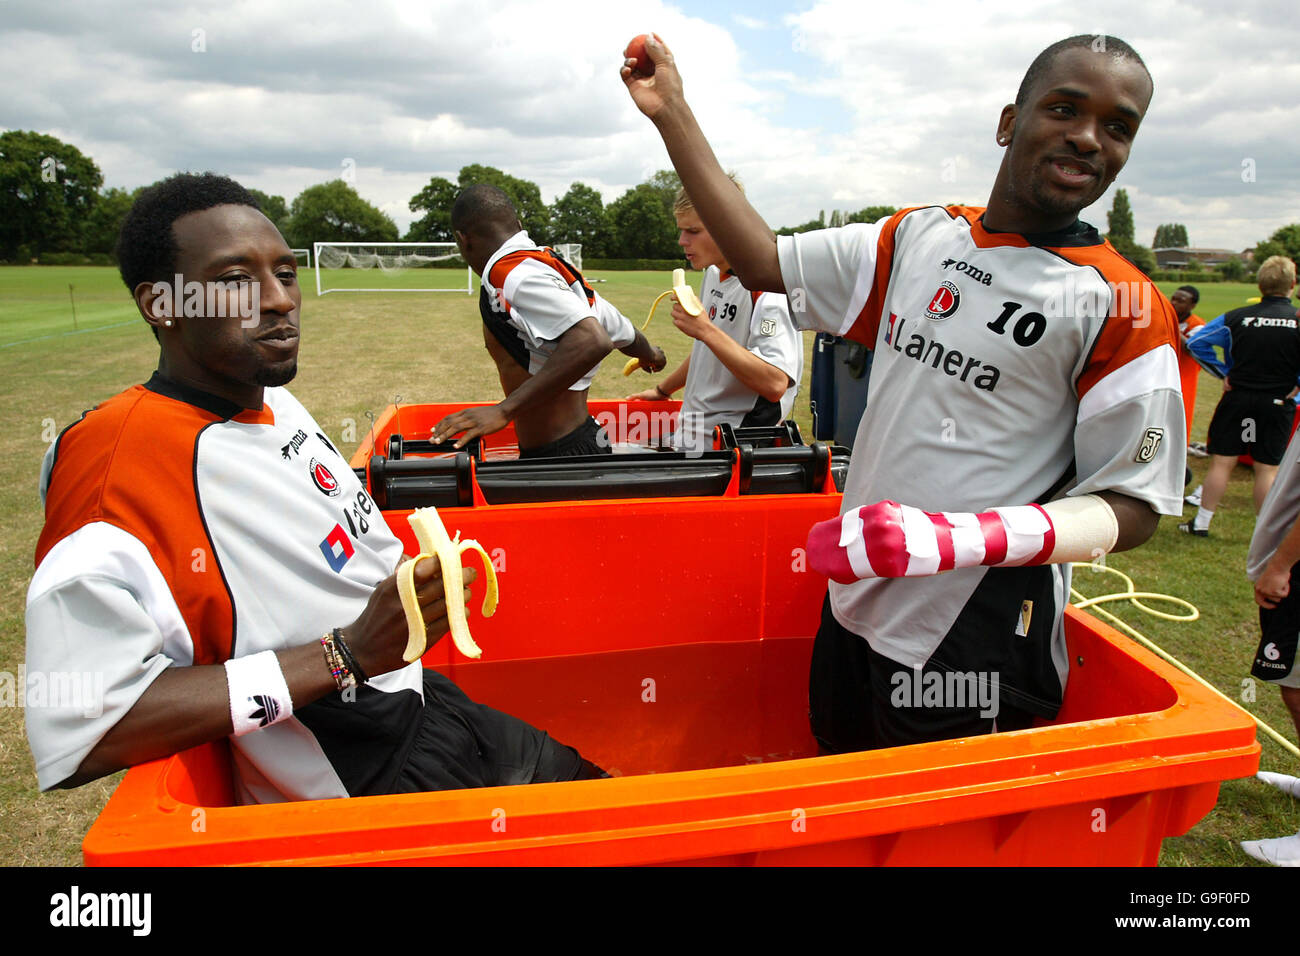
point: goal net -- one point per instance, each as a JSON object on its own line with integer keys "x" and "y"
{"x": 391, "y": 267}
{"x": 570, "y": 252}
{"x": 302, "y": 254}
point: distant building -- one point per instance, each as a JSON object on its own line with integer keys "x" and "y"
{"x": 1169, "y": 258}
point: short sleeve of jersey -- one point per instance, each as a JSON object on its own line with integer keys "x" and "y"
{"x": 542, "y": 303}
{"x": 620, "y": 328}
{"x": 1130, "y": 432}
{"x": 773, "y": 337}
{"x": 98, "y": 622}
{"x": 829, "y": 274}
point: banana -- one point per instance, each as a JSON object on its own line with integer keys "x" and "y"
{"x": 431, "y": 534}
{"x": 685, "y": 295}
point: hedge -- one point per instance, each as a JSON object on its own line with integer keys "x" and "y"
{"x": 633, "y": 265}
{"x": 76, "y": 259}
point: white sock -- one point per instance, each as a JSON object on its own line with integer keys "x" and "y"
{"x": 1280, "y": 851}
{"x": 1202, "y": 520}
{"x": 1284, "y": 782}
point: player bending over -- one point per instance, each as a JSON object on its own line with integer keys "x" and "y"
{"x": 546, "y": 330}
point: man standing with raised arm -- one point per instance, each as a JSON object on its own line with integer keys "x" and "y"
{"x": 1025, "y": 407}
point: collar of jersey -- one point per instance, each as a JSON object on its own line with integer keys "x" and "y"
{"x": 515, "y": 243}
{"x": 221, "y": 407}
{"x": 1079, "y": 233}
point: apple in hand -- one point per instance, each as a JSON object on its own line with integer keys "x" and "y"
{"x": 636, "y": 51}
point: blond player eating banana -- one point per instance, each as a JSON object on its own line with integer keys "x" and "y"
{"x": 747, "y": 356}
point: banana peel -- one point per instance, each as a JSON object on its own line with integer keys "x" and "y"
{"x": 434, "y": 542}
{"x": 685, "y": 296}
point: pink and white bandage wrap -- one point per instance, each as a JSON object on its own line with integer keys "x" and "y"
{"x": 889, "y": 540}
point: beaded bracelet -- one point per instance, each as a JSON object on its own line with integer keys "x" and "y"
{"x": 349, "y": 661}
{"x": 343, "y": 677}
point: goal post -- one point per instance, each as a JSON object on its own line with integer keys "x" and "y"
{"x": 570, "y": 252}
{"x": 390, "y": 267}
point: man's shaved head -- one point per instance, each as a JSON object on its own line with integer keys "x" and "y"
{"x": 1105, "y": 45}
{"x": 484, "y": 210}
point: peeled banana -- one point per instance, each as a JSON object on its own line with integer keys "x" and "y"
{"x": 685, "y": 295}
{"x": 431, "y": 534}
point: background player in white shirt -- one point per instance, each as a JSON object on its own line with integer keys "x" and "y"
{"x": 745, "y": 364}
{"x": 544, "y": 327}
{"x": 1009, "y": 371}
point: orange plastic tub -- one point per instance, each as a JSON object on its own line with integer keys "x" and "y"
{"x": 668, "y": 639}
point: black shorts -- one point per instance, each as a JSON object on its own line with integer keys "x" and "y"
{"x": 1251, "y": 423}
{"x": 861, "y": 700}
{"x": 1279, "y": 630}
{"x": 589, "y": 438}
{"x": 462, "y": 744}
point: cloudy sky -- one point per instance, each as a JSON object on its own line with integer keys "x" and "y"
{"x": 818, "y": 104}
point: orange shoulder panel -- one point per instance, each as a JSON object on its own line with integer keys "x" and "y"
{"x": 1141, "y": 318}
{"x": 130, "y": 463}
{"x": 867, "y": 325}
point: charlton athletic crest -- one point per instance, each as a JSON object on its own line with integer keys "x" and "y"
{"x": 944, "y": 302}
{"x": 324, "y": 480}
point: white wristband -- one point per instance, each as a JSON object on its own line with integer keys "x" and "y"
{"x": 259, "y": 696}
{"x": 1086, "y": 528}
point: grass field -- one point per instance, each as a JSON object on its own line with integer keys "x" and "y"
{"x": 360, "y": 352}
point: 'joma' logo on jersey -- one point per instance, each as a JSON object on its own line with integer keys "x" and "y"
{"x": 961, "y": 265}
{"x": 1265, "y": 322}
{"x": 933, "y": 353}
{"x": 294, "y": 444}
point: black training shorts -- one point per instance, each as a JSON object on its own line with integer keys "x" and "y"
{"x": 861, "y": 700}
{"x": 1251, "y": 423}
{"x": 589, "y": 438}
{"x": 463, "y": 744}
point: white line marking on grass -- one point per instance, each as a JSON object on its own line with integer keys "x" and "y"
{"x": 55, "y": 335}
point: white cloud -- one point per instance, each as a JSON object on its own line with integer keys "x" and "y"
{"x": 845, "y": 105}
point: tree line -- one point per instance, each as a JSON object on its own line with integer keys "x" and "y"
{"x": 53, "y": 204}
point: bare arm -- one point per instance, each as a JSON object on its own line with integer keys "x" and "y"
{"x": 652, "y": 357}
{"x": 675, "y": 380}
{"x": 577, "y": 350}
{"x": 188, "y": 706}
{"x": 760, "y": 377}
{"x": 740, "y": 232}
{"x": 1137, "y": 522}
{"x": 1275, "y": 581}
